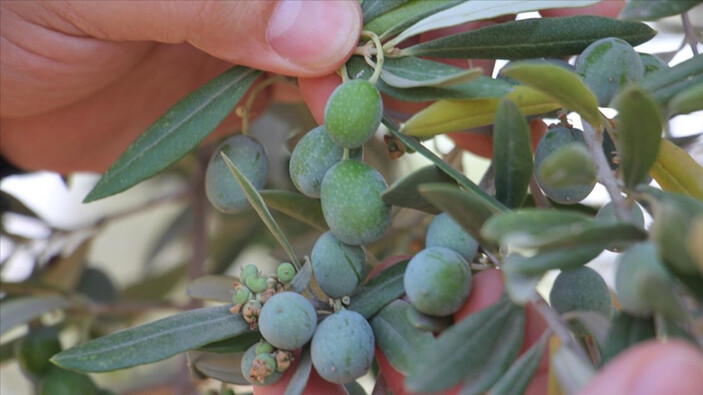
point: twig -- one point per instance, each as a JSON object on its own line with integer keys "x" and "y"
{"x": 196, "y": 268}
{"x": 558, "y": 326}
{"x": 689, "y": 33}
{"x": 594, "y": 143}
{"x": 540, "y": 200}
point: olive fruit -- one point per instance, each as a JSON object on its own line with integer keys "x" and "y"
{"x": 652, "y": 63}
{"x": 437, "y": 281}
{"x": 444, "y": 231}
{"x": 247, "y": 271}
{"x": 256, "y": 283}
{"x": 66, "y": 382}
{"x": 353, "y": 113}
{"x": 607, "y": 214}
{"x": 337, "y": 266}
{"x": 36, "y": 348}
{"x": 248, "y": 362}
{"x": 608, "y": 64}
{"x": 551, "y": 142}
{"x": 221, "y": 188}
{"x": 285, "y": 272}
{"x": 314, "y": 154}
{"x": 287, "y": 320}
{"x": 581, "y": 289}
{"x": 241, "y": 295}
{"x": 351, "y": 202}
{"x": 342, "y": 347}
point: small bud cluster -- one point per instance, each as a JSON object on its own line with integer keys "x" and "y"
{"x": 253, "y": 290}
{"x": 268, "y": 361}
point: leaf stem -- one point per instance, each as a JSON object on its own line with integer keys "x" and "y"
{"x": 690, "y": 33}
{"x": 594, "y": 143}
{"x": 245, "y": 112}
{"x": 345, "y": 154}
{"x": 343, "y": 73}
{"x": 379, "y": 55}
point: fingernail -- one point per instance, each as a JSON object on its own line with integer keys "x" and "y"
{"x": 314, "y": 33}
{"x": 677, "y": 371}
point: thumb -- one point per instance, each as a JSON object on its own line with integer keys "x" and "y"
{"x": 293, "y": 37}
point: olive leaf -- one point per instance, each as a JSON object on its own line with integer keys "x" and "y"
{"x": 177, "y": 132}
{"x": 447, "y": 116}
{"x": 639, "y": 131}
{"x": 572, "y": 371}
{"x": 239, "y": 343}
{"x": 412, "y": 72}
{"x": 404, "y": 193}
{"x": 217, "y": 288}
{"x": 477, "y": 345}
{"x": 153, "y": 341}
{"x": 531, "y": 38}
{"x": 259, "y": 205}
{"x": 518, "y": 377}
{"x": 303, "y": 208}
{"x": 395, "y": 21}
{"x": 562, "y": 85}
{"x": 666, "y": 83}
{"x": 676, "y": 171}
{"x": 302, "y": 278}
{"x": 647, "y": 10}
{"x": 625, "y": 331}
{"x": 687, "y": 101}
{"x": 153, "y": 288}
{"x": 374, "y": 8}
{"x": 19, "y": 311}
{"x": 386, "y": 287}
{"x": 300, "y": 377}
{"x": 218, "y": 366}
{"x": 529, "y": 220}
{"x": 512, "y": 155}
{"x": 475, "y": 10}
{"x": 563, "y": 259}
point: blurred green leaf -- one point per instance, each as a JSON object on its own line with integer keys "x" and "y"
{"x": 404, "y": 193}
{"x": 302, "y": 278}
{"x": 568, "y": 166}
{"x": 21, "y": 310}
{"x": 572, "y": 371}
{"x": 393, "y": 22}
{"x": 447, "y": 116}
{"x": 512, "y": 154}
{"x": 589, "y": 232}
{"x": 677, "y": 172}
{"x": 412, "y": 72}
{"x": 562, "y": 85}
{"x": 451, "y": 172}
{"x": 477, "y": 346}
{"x": 648, "y": 10}
{"x": 221, "y": 367}
{"x": 153, "y": 341}
{"x": 178, "y": 131}
{"x": 687, "y": 101}
{"x": 396, "y": 337}
{"x": 467, "y": 209}
{"x": 299, "y": 380}
{"x": 470, "y": 11}
{"x": 519, "y": 287}
{"x": 7, "y": 350}
{"x": 176, "y": 230}
{"x": 563, "y": 259}
{"x": 498, "y": 228}
{"x": 97, "y": 285}
{"x": 64, "y": 272}
{"x": 625, "y": 330}
{"x": 305, "y": 209}
{"x": 259, "y": 205}
{"x": 666, "y": 83}
{"x": 672, "y": 225}
{"x": 155, "y": 287}
{"x": 218, "y": 288}
{"x": 518, "y": 377}
{"x": 531, "y": 38}
{"x": 428, "y": 323}
{"x": 639, "y": 132}
{"x": 374, "y": 8}
{"x": 386, "y": 287}
{"x": 239, "y": 343}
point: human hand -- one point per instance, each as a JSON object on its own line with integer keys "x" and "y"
{"x": 81, "y": 80}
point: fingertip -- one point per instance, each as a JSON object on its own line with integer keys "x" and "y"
{"x": 486, "y": 289}
{"x": 316, "y": 92}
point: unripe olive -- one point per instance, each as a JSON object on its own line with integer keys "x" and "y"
{"x": 652, "y": 63}
{"x": 287, "y": 320}
{"x": 241, "y": 295}
{"x": 552, "y": 141}
{"x": 437, "y": 281}
{"x": 285, "y": 272}
{"x": 351, "y": 202}
{"x": 581, "y": 289}
{"x": 247, "y": 271}
{"x": 444, "y": 231}
{"x": 607, "y": 214}
{"x": 337, "y": 266}
{"x": 221, "y": 187}
{"x": 36, "y": 348}
{"x": 66, "y": 382}
{"x": 353, "y": 113}
{"x": 314, "y": 154}
{"x": 342, "y": 347}
{"x": 256, "y": 283}
{"x": 608, "y": 64}
{"x": 263, "y": 347}
{"x": 248, "y": 363}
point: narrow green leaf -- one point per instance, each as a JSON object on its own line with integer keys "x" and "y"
{"x": 648, "y": 10}
{"x": 239, "y": 343}
{"x": 481, "y": 87}
{"x": 374, "y": 8}
{"x": 412, "y": 72}
{"x": 155, "y": 287}
{"x": 404, "y": 193}
{"x": 386, "y": 287}
{"x": 393, "y": 22}
{"x": 475, "y": 10}
{"x": 531, "y": 38}
{"x": 516, "y": 380}
{"x": 572, "y": 371}
{"x": 465, "y": 348}
{"x": 452, "y": 172}
{"x": 428, "y": 323}
{"x": 563, "y": 259}
{"x": 175, "y": 231}
{"x": 677, "y": 172}
{"x": 467, "y": 209}
{"x": 512, "y": 154}
{"x": 626, "y": 330}
{"x": 259, "y": 205}
{"x": 299, "y": 380}
{"x": 665, "y": 84}
{"x": 569, "y": 166}
{"x": 396, "y": 337}
{"x": 218, "y": 366}
{"x": 560, "y": 84}
{"x": 217, "y": 288}
{"x": 303, "y": 208}
{"x": 687, "y": 101}
{"x": 520, "y": 288}
{"x": 19, "y": 311}
{"x": 527, "y": 220}
{"x": 302, "y": 278}
{"x": 447, "y": 116}
{"x": 154, "y": 341}
{"x": 177, "y": 132}
{"x": 639, "y": 130}
{"x": 589, "y": 232}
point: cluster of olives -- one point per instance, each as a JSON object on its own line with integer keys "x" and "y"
{"x": 437, "y": 280}
{"x": 253, "y": 290}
